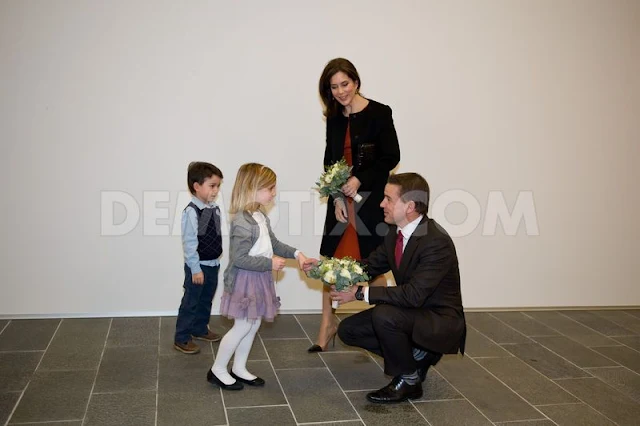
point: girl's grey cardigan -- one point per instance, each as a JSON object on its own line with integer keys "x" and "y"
{"x": 243, "y": 234}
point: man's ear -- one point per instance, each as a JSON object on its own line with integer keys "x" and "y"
{"x": 411, "y": 206}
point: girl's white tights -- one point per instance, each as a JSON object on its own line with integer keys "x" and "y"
{"x": 239, "y": 340}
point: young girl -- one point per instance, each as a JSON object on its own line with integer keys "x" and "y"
{"x": 249, "y": 291}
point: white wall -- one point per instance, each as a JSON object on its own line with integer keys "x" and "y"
{"x": 492, "y": 95}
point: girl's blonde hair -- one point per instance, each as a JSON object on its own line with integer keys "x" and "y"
{"x": 251, "y": 178}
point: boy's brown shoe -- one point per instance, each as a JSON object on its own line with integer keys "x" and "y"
{"x": 209, "y": 337}
{"x": 187, "y": 348}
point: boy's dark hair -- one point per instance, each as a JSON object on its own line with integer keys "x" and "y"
{"x": 198, "y": 171}
{"x": 413, "y": 187}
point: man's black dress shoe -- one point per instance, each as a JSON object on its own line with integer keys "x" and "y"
{"x": 211, "y": 378}
{"x": 396, "y": 391}
{"x": 255, "y": 382}
{"x": 425, "y": 363}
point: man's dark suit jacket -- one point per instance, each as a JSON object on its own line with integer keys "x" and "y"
{"x": 428, "y": 280}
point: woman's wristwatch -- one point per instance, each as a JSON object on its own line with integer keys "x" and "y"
{"x": 359, "y": 293}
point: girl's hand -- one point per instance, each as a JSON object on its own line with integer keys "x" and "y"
{"x": 277, "y": 263}
{"x": 341, "y": 210}
{"x": 350, "y": 189}
{"x": 306, "y": 263}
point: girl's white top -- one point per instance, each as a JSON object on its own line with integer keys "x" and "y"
{"x": 262, "y": 246}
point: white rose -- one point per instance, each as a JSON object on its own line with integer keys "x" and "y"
{"x": 329, "y": 277}
{"x": 328, "y": 178}
{"x": 345, "y": 273}
{"x": 357, "y": 269}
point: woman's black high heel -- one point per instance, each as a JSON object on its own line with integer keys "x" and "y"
{"x": 318, "y": 348}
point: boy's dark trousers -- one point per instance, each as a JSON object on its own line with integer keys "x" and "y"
{"x": 195, "y": 308}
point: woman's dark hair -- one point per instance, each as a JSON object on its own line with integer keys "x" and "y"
{"x": 331, "y": 106}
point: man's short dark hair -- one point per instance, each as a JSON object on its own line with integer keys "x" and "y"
{"x": 198, "y": 171}
{"x": 413, "y": 187}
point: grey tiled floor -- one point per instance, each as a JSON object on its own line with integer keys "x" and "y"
{"x": 521, "y": 368}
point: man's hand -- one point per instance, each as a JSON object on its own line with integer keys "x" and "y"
{"x": 343, "y": 297}
{"x": 198, "y": 279}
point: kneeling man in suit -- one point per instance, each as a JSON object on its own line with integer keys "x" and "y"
{"x": 421, "y": 318}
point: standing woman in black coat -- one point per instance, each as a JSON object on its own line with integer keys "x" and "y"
{"x": 360, "y": 130}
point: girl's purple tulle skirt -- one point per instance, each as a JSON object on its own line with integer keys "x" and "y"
{"x": 253, "y": 297}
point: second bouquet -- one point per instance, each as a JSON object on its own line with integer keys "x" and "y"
{"x": 333, "y": 178}
{"x": 342, "y": 273}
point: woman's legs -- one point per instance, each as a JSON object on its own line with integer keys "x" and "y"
{"x": 228, "y": 346}
{"x": 328, "y": 324}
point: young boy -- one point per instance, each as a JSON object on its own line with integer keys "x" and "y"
{"x": 202, "y": 246}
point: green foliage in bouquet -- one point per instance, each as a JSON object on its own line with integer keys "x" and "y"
{"x": 333, "y": 178}
{"x": 343, "y": 273}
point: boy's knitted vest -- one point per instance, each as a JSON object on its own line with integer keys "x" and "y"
{"x": 209, "y": 238}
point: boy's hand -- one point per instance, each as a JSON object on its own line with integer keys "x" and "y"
{"x": 198, "y": 279}
{"x": 277, "y": 263}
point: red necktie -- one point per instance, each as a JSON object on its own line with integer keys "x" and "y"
{"x": 399, "y": 244}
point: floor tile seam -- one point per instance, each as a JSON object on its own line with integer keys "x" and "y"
{"x": 574, "y": 340}
{"x": 275, "y": 373}
{"x": 569, "y": 361}
{"x": 220, "y": 391}
{"x": 5, "y": 327}
{"x": 32, "y": 375}
{"x": 65, "y": 370}
{"x": 47, "y": 422}
{"x": 586, "y": 326}
{"x": 507, "y": 325}
{"x": 299, "y": 368}
{"x": 158, "y": 371}
{"x": 134, "y": 346}
{"x": 512, "y": 390}
{"x": 608, "y": 357}
{"x": 515, "y": 422}
{"x": 536, "y": 342}
{"x": 616, "y": 322}
{"x": 285, "y": 338}
{"x": 561, "y": 403}
{"x": 510, "y": 355}
{"x": 584, "y": 402}
{"x": 461, "y": 393}
{"x": 257, "y": 406}
{"x": 332, "y": 375}
{"x": 622, "y": 367}
{"x": 553, "y": 328}
{"x": 622, "y": 344}
{"x": 95, "y": 378}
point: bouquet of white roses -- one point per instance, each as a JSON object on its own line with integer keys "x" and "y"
{"x": 343, "y": 273}
{"x": 333, "y": 178}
